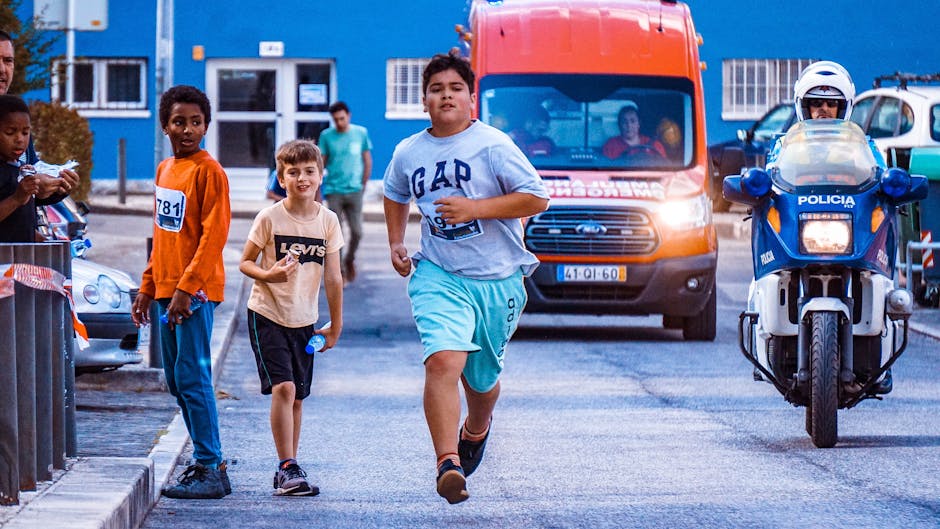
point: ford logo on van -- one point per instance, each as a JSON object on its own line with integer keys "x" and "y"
{"x": 591, "y": 229}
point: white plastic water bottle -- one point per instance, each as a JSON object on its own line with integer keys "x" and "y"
{"x": 198, "y": 299}
{"x": 317, "y": 341}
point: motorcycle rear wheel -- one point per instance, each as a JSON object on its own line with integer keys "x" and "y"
{"x": 824, "y": 380}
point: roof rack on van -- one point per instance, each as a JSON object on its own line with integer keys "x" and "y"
{"x": 903, "y": 79}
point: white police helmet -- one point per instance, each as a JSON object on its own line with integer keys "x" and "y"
{"x": 824, "y": 80}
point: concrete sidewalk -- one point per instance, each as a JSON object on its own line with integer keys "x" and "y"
{"x": 118, "y": 492}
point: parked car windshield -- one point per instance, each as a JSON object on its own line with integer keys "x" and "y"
{"x": 564, "y": 121}
{"x": 825, "y": 152}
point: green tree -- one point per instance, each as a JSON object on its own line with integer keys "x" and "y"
{"x": 61, "y": 134}
{"x": 32, "y": 47}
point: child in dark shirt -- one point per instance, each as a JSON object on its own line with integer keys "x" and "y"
{"x": 17, "y": 195}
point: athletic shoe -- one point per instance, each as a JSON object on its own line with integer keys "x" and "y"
{"x": 451, "y": 483}
{"x": 292, "y": 481}
{"x": 197, "y": 482}
{"x": 471, "y": 452}
{"x": 886, "y": 384}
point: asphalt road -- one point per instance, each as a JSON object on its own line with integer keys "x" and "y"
{"x": 603, "y": 422}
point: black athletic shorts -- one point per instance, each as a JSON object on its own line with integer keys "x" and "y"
{"x": 280, "y": 354}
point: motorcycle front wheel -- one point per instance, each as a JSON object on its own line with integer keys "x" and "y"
{"x": 823, "y": 413}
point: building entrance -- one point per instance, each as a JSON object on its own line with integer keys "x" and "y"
{"x": 257, "y": 104}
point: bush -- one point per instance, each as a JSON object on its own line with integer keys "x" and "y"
{"x": 60, "y": 134}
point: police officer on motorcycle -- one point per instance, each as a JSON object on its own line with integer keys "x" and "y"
{"x": 825, "y": 90}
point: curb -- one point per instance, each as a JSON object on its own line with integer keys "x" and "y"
{"x": 94, "y": 493}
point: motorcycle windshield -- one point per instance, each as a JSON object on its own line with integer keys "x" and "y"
{"x": 825, "y": 152}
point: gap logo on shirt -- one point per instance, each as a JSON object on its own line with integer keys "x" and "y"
{"x": 419, "y": 186}
{"x": 311, "y": 250}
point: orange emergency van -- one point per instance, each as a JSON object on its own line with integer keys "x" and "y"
{"x": 605, "y": 98}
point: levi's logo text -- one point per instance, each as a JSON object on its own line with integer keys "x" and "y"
{"x": 170, "y": 209}
{"x": 826, "y": 200}
{"x": 311, "y": 250}
{"x": 444, "y": 183}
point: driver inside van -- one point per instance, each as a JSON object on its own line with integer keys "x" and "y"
{"x": 630, "y": 142}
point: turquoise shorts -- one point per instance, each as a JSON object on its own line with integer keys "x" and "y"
{"x": 455, "y": 313}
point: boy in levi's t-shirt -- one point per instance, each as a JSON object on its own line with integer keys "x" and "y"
{"x": 191, "y": 221}
{"x": 299, "y": 241}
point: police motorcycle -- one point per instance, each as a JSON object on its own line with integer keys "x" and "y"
{"x": 825, "y": 319}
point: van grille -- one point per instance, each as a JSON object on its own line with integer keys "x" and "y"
{"x": 594, "y": 231}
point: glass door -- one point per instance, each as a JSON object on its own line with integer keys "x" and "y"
{"x": 258, "y": 104}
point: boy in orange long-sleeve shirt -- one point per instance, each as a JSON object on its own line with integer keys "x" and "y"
{"x": 187, "y": 278}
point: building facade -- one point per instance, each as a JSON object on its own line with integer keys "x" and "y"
{"x": 272, "y": 69}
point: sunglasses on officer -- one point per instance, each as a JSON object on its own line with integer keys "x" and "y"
{"x": 819, "y": 103}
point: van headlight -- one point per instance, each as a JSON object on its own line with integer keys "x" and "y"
{"x": 686, "y": 214}
{"x": 826, "y": 233}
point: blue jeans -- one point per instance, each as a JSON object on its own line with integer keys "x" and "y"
{"x": 187, "y": 364}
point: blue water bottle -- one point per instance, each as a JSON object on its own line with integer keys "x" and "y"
{"x": 317, "y": 341}
{"x": 198, "y": 299}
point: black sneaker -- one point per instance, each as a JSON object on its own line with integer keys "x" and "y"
{"x": 292, "y": 481}
{"x": 197, "y": 482}
{"x": 223, "y": 470}
{"x": 452, "y": 483}
{"x": 885, "y": 385}
{"x": 471, "y": 452}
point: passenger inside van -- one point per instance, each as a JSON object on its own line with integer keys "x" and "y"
{"x": 532, "y": 137}
{"x": 630, "y": 142}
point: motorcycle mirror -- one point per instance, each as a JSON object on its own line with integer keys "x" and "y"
{"x": 731, "y": 191}
{"x": 895, "y": 182}
{"x": 756, "y": 182}
{"x": 903, "y": 188}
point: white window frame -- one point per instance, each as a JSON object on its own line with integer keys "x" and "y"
{"x": 750, "y": 87}
{"x": 100, "y": 106}
{"x": 408, "y": 88}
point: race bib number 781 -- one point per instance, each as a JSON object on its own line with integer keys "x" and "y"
{"x": 171, "y": 208}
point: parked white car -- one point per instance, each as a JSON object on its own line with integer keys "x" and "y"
{"x": 901, "y": 117}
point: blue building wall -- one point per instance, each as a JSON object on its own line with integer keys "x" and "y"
{"x": 359, "y": 38}
{"x": 868, "y": 40}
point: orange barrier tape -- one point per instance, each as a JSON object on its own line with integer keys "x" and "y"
{"x": 42, "y": 278}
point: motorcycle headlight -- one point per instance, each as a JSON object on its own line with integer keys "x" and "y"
{"x": 826, "y": 233}
{"x": 110, "y": 293}
{"x": 686, "y": 214}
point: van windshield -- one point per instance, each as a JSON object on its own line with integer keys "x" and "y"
{"x": 566, "y": 121}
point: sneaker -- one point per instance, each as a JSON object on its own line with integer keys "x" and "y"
{"x": 885, "y": 385}
{"x": 471, "y": 452}
{"x": 223, "y": 470}
{"x": 197, "y": 482}
{"x": 292, "y": 481}
{"x": 452, "y": 483}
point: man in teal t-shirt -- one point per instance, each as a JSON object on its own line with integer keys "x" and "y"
{"x": 347, "y": 156}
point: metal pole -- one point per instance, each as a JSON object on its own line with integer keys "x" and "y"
{"x": 61, "y": 252}
{"x": 42, "y": 322}
{"x": 9, "y": 433}
{"x": 71, "y": 432}
{"x": 122, "y": 171}
{"x": 70, "y": 54}
{"x": 25, "y": 302}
